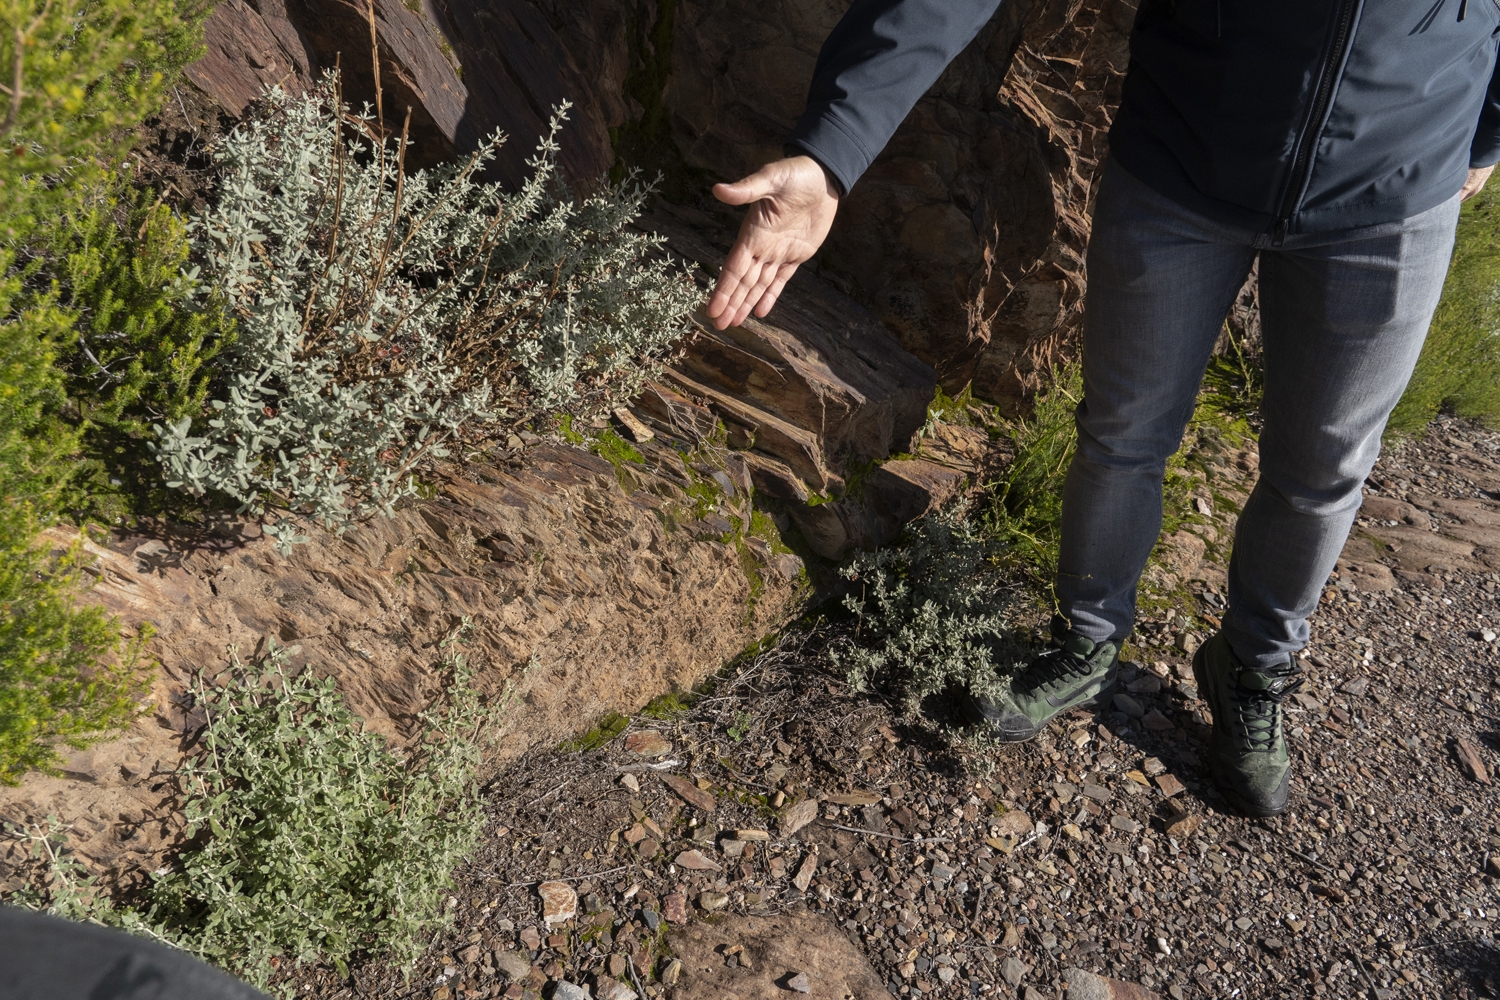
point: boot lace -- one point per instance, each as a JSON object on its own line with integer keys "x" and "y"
{"x": 1051, "y": 668}
{"x": 1257, "y": 696}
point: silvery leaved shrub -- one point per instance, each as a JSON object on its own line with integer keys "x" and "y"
{"x": 388, "y": 319}
{"x": 932, "y": 612}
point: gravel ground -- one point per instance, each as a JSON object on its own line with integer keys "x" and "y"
{"x": 966, "y": 869}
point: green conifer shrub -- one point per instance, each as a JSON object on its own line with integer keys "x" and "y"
{"x": 76, "y": 73}
{"x": 146, "y": 334}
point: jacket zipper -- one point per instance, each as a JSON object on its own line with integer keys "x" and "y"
{"x": 1302, "y": 158}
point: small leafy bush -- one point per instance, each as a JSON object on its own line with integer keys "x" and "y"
{"x": 385, "y": 320}
{"x": 315, "y": 840}
{"x": 1459, "y": 369}
{"x": 932, "y": 612}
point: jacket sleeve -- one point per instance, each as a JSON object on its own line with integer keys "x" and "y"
{"x": 1485, "y": 150}
{"x": 872, "y": 70}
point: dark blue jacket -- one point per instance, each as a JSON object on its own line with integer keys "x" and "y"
{"x": 1277, "y": 115}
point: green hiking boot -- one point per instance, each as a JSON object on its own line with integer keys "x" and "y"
{"x": 1075, "y": 673}
{"x": 1247, "y": 754}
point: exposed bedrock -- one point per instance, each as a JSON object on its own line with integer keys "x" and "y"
{"x": 966, "y": 236}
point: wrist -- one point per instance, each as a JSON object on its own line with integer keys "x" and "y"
{"x": 792, "y": 151}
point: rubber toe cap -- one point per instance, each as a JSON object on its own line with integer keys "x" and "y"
{"x": 1250, "y": 796}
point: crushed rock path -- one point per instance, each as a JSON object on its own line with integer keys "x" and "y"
{"x": 885, "y": 855}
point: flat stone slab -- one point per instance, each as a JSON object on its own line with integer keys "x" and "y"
{"x": 778, "y": 950}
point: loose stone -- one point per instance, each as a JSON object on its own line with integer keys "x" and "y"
{"x": 606, "y": 988}
{"x": 1169, "y": 785}
{"x": 798, "y": 815}
{"x": 805, "y": 872}
{"x": 1013, "y": 823}
{"x": 512, "y": 965}
{"x": 689, "y": 792}
{"x": 1157, "y": 722}
{"x": 675, "y": 908}
{"x": 695, "y": 861}
{"x": 559, "y": 903}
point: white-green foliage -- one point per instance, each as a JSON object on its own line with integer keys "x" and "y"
{"x": 385, "y": 319}
{"x": 932, "y": 611}
{"x": 316, "y": 840}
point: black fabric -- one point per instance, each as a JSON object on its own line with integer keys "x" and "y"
{"x": 879, "y": 61}
{"x": 45, "y": 958}
{"x": 1281, "y": 115}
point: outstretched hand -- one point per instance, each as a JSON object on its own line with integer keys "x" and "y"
{"x": 792, "y": 204}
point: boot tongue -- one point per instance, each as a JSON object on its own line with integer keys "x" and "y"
{"x": 1078, "y": 645}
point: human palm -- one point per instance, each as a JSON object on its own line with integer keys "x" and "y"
{"x": 792, "y": 205}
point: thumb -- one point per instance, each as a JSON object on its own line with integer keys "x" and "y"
{"x": 749, "y": 189}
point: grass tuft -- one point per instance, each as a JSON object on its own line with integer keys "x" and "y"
{"x": 1023, "y": 509}
{"x": 1459, "y": 370}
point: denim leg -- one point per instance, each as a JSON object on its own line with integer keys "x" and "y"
{"x": 1160, "y": 281}
{"x": 1343, "y": 317}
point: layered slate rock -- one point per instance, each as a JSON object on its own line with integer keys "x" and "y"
{"x": 591, "y": 588}
{"x": 819, "y": 384}
{"x": 251, "y": 46}
{"x": 762, "y": 958}
{"x": 966, "y": 236}
{"x": 1427, "y": 536}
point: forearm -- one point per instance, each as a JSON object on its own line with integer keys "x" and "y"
{"x": 878, "y": 62}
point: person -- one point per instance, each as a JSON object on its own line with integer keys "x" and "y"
{"x": 1333, "y": 140}
{"x": 47, "y": 958}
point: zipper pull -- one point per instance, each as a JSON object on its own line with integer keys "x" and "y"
{"x": 1278, "y": 233}
{"x": 1463, "y": 9}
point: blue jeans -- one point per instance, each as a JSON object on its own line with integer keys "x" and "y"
{"x": 1343, "y": 317}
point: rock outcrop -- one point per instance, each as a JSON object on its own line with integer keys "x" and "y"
{"x": 965, "y": 238}
{"x": 590, "y": 588}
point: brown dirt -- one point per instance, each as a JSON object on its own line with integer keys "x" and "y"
{"x": 590, "y": 589}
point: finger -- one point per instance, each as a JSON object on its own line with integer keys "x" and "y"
{"x": 746, "y": 190}
{"x": 746, "y": 294}
{"x": 763, "y": 282}
{"x": 724, "y": 290}
{"x": 731, "y": 276}
{"x": 763, "y": 308}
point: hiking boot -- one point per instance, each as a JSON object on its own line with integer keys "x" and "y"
{"x": 1247, "y": 755}
{"x": 1075, "y": 673}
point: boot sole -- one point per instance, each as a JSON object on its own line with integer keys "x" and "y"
{"x": 1237, "y": 802}
{"x": 1241, "y": 805}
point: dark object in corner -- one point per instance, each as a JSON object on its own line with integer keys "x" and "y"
{"x": 46, "y": 958}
